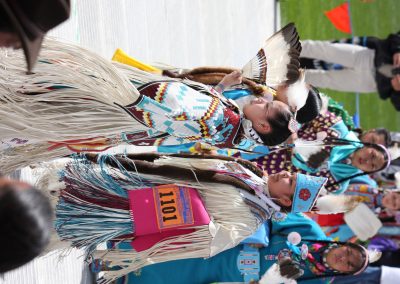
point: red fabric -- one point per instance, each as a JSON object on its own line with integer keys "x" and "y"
{"x": 142, "y": 243}
{"x": 340, "y": 18}
{"x": 331, "y": 219}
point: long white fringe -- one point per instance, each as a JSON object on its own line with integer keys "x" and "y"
{"x": 81, "y": 103}
{"x": 25, "y": 155}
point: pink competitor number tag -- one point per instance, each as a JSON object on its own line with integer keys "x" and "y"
{"x": 165, "y": 208}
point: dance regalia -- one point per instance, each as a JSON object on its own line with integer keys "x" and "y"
{"x": 334, "y": 127}
{"x": 338, "y": 110}
{"x": 77, "y": 101}
{"x": 366, "y": 194}
{"x": 337, "y": 166}
{"x": 99, "y": 202}
{"x": 327, "y": 122}
{"x": 277, "y": 160}
{"x": 182, "y": 115}
{"x": 226, "y": 267}
{"x": 168, "y": 207}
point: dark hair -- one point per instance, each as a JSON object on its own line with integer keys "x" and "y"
{"x": 356, "y": 271}
{"x": 358, "y": 131}
{"x": 377, "y": 147}
{"x": 312, "y": 107}
{"x": 384, "y": 132}
{"x": 279, "y": 129}
{"x": 315, "y": 160}
{"x": 5, "y": 24}
{"x": 25, "y": 220}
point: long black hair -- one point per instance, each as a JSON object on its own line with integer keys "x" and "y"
{"x": 279, "y": 128}
{"x": 5, "y": 23}
{"x": 317, "y": 159}
{"x": 312, "y": 107}
{"x": 25, "y": 222}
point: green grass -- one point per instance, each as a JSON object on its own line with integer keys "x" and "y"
{"x": 377, "y": 18}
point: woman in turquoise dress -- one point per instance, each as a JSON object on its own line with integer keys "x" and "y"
{"x": 339, "y": 160}
{"x": 319, "y": 259}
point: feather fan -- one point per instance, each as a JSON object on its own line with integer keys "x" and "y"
{"x": 278, "y": 60}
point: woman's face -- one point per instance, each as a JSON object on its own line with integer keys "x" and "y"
{"x": 260, "y": 111}
{"x": 391, "y": 200}
{"x": 282, "y": 186}
{"x": 373, "y": 137}
{"x": 345, "y": 259}
{"x": 368, "y": 159}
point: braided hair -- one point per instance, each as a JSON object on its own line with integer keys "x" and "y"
{"x": 317, "y": 159}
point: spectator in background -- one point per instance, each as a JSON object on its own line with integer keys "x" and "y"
{"x": 24, "y": 23}
{"x": 376, "y": 136}
{"x": 374, "y": 67}
{"x": 25, "y": 223}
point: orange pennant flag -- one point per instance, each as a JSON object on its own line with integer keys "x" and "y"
{"x": 340, "y": 18}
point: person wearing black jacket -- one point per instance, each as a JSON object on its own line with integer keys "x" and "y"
{"x": 369, "y": 65}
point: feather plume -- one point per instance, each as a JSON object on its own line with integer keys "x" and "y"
{"x": 277, "y": 61}
{"x": 297, "y": 93}
{"x": 306, "y": 148}
{"x": 273, "y": 276}
{"x": 394, "y": 152}
{"x": 333, "y": 204}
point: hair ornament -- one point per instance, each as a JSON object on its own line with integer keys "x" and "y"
{"x": 293, "y": 125}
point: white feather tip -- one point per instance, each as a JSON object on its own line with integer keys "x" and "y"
{"x": 332, "y": 204}
{"x": 306, "y": 148}
{"x": 297, "y": 93}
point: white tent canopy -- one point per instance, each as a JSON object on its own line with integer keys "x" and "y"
{"x": 178, "y": 32}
